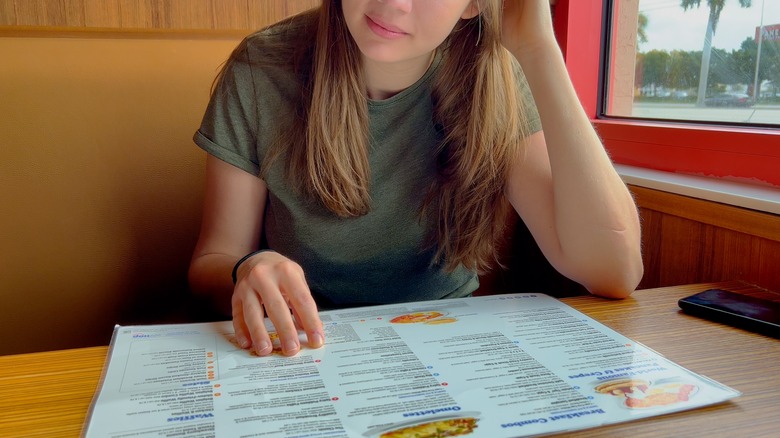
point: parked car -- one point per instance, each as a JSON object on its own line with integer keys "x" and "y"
{"x": 729, "y": 99}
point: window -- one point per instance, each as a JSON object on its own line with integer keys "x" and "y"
{"x": 687, "y": 60}
{"x": 655, "y": 119}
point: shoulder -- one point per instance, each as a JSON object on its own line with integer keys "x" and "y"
{"x": 270, "y": 61}
{"x": 289, "y": 42}
{"x": 528, "y": 104}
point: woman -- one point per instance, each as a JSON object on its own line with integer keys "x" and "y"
{"x": 376, "y": 143}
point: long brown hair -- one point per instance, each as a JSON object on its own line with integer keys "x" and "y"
{"x": 477, "y": 102}
{"x": 476, "y": 105}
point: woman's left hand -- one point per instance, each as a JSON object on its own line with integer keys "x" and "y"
{"x": 527, "y": 25}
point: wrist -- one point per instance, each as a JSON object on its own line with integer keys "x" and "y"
{"x": 529, "y": 54}
{"x": 240, "y": 261}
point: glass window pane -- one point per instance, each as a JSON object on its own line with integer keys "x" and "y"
{"x": 695, "y": 60}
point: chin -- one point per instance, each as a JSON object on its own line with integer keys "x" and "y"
{"x": 380, "y": 55}
{"x": 385, "y": 54}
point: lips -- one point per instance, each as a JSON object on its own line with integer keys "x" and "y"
{"x": 384, "y": 29}
{"x": 387, "y": 26}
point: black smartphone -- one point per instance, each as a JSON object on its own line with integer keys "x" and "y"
{"x": 743, "y": 311}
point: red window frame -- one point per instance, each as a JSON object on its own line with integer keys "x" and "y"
{"x": 728, "y": 152}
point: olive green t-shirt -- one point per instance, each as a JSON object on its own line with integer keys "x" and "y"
{"x": 377, "y": 258}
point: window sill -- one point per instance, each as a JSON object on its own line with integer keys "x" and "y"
{"x": 755, "y": 197}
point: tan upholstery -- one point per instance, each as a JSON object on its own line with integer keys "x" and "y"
{"x": 100, "y": 183}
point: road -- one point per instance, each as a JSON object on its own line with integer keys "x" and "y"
{"x": 758, "y": 114}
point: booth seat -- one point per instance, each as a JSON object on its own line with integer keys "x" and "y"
{"x": 100, "y": 182}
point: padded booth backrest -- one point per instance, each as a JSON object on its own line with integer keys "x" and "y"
{"x": 100, "y": 182}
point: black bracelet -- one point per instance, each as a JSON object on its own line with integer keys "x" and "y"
{"x": 243, "y": 259}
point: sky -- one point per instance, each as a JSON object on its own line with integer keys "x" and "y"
{"x": 670, "y": 27}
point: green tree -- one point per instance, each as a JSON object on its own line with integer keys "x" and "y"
{"x": 723, "y": 70}
{"x": 744, "y": 61}
{"x": 716, "y": 7}
{"x": 770, "y": 63}
{"x": 655, "y": 71}
{"x": 683, "y": 69}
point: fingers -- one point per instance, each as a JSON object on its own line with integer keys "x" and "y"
{"x": 279, "y": 313}
{"x": 249, "y": 324}
{"x": 306, "y": 315}
{"x": 239, "y": 325}
{"x": 296, "y": 298}
{"x": 255, "y": 322}
{"x": 275, "y": 287}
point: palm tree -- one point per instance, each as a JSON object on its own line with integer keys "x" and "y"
{"x": 641, "y": 27}
{"x": 716, "y": 7}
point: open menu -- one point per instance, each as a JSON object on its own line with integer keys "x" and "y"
{"x": 493, "y": 366}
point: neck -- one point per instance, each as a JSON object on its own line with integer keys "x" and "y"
{"x": 385, "y": 80}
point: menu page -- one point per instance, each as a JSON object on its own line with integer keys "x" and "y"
{"x": 493, "y": 366}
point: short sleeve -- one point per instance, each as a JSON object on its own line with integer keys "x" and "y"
{"x": 533, "y": 122}
{"x": 228, "y": 130}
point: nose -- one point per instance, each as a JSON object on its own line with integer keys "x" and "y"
{"x": 401, "y": 5}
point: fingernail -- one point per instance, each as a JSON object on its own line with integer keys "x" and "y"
{"x": 264, "y": 347}
{"x": 290, "y": 347}
{"x": 316, "y": 340}
{"x": 243, "y": 342}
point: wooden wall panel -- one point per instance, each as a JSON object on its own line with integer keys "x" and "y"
{"x": 137, "y": 14}
{"x": 680, "y": 243}
{"x": 7, "y": 11}
{"x": 296, "y": 6}
{"x": 101, "y": 13}
{"x": 687, "y": 240}
{"x": 769, "y": 266}
{"x": 233, "y": 14}
{"x": 266, "y": 11}
{"x": 40, "y": 13}
{"x": 192, "y": 14}
{"x": 651, "y": 227}
{"x": 74, "y": 12}
{"x": 149, "y": 14}
{"x": 720, "y": 215}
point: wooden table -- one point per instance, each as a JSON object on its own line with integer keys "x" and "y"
{"x": 48, "y": 394}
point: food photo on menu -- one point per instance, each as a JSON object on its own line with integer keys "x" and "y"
{"x": 643, "y": 394}
{"x": 495, "y": 366}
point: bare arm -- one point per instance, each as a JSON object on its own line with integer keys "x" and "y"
{"x": 565, "y": 187}
{"x": 233, "y": 208}
{"x": 270, "y": 283}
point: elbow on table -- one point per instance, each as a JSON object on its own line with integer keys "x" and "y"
{"x": 619, "y": 284}
{"x": 615, "y": 293}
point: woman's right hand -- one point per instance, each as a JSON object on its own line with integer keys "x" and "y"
{"x": 269, "y": 284}
{"x": 527, "y": 26}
